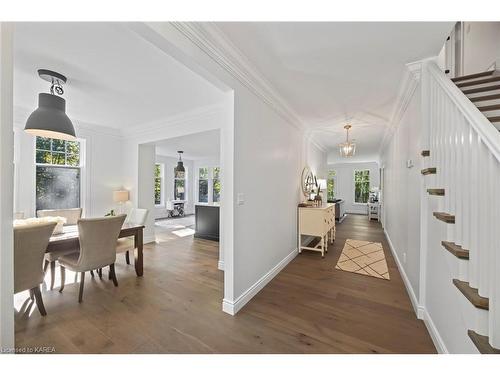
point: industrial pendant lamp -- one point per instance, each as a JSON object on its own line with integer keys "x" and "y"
{"x": 348, "y": 148}
{"x": 180, "y": 164}
{"x": 49, "y": 119}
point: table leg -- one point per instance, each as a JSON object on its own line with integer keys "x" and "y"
{"x": 138, "y": 261}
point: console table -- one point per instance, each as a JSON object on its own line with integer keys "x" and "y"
{"x": 316, "y": 222}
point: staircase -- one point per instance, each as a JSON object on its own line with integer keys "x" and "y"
{"x": 483, "y": 89}
{"x": 462, "y": 179}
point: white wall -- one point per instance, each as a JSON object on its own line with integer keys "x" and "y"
{"x": 316, "y": 160}
{"x": 169, "y": 164}
{"x": 481, "y": 46}
{"x": 344, "y": 188}
{"x": 6, "y": 190}
{"x": 101, "y": 171}
{"x": 402, "y": 190}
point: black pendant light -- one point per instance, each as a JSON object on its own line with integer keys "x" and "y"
{"x": 49, "y": 119}
{"x": 180, "y": 164}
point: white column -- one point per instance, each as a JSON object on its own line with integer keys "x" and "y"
{"x": 6, "y": 188}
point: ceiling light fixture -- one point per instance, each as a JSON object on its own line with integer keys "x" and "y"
{"x": 180, "y": 164}
{"x": 50, "y": 119}
{"x": 348, "y": 148}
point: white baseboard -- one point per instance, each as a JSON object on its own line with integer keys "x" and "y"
{"x": 420, "y": 311}
{"x": 435, "y": 336}
{"x": 232, "y": 307}
{"x": 413, "y": 297}
{"x": 220, "y": 265}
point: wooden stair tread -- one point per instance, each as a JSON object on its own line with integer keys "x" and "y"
{"x": 492, "y": 107}
{"x": 482, "y": 343}
{"x": 425, "y": 153}
{"x": 481, "y": 89}
{"x": 443, "y": 216}
{"x": 494, "y": 119}
{"x": 485, "y": 98}
{"x": 427, "y": 171}
{"x": 472, "y": 294}
{"x": 439, "y": 192}
{"x": 455, "y": 249}
{"x": 479, "y": 81}
{"x": 475, "y": 75}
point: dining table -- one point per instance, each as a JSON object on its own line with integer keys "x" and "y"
{"x": 69, "y": 239}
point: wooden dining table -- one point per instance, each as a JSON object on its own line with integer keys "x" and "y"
{"x": 68, "y": 239}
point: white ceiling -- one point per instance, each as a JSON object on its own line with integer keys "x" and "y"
{"x": 198, "y": 146}
{"x": 115, "y": 78}
{"x": 332, "y": 72}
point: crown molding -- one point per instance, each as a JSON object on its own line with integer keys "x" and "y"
{"x": 211, "y": 40}
{"x": 179, "y": 119}
{"x": 409, "y": 84}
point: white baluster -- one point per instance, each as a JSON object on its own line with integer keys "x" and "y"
{"x": 474, "y": 212}
{"x": 494, "y": 312}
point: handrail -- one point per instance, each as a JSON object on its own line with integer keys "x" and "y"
{"x": 485, "y": 129}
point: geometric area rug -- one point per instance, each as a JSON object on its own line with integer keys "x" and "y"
{"x": 364, "y": 258}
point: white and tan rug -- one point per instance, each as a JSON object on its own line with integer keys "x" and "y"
{"x": 365, "y": 258}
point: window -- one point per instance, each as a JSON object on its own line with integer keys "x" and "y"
{"x": 216, "y": 184}
{"x": 158, "y": 184}
{"x": 361, "y": 186}
{"x": 330, "y": 186}
{"x": 57, "y": 173}
{"x": 179, "y": 185}
{"x": 203, "y": 185}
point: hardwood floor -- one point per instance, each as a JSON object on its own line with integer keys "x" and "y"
{"x": 176, "y": 307}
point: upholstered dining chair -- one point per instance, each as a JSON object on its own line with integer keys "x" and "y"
{"x": 72, "y": 215}
{"x": 127, "y": 244}
{"x": 30, "y": 243}
{"x": 98, "y": 238}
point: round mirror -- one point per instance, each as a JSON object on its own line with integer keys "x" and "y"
{"x": 307, "y": 182}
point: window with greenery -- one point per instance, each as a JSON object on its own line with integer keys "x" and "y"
{"x": 57, "y": 173}
{"x": 158, "y": 184}
{"x": 330, "y": 186}
{"x": 216, "y": 185}
{"x": 179, "y": 185}
{"x": 203, "y": 185}
{"x": 361, "y": 186}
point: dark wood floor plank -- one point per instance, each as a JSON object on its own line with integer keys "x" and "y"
{"x": 310, "y": 307}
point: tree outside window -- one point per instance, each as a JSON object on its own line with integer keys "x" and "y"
{"x": 57, "y": 183}
{"x": 361, "y": 186}
{"x": 158, "y": 183}
{"x": 330, "y": 186}
{"x": 203, "y": 185}
{"x": 216, "y": 185}
{"x": 179, "y": 185}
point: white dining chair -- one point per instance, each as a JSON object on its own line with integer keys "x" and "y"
{"x": 127, "y": 244}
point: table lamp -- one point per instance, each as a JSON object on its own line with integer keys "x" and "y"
{"x": 120, "y": 197}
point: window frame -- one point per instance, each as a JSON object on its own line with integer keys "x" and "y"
{"x": 207, "y": 179}
{"x": 334, "y": 179}
{"x": 354, "y": 186}
{"x": 81, "y": 166}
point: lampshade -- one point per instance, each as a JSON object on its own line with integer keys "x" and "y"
{"x": 120, "y": 196}
{"x": 322, "y": 184}
{"x": 180, "y": 164}
{"x": 348, "y": 148}
{"x": 49, "y": 119}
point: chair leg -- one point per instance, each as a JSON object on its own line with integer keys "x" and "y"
{"x": 92, "y": 273}
{"x": 127, "y": 257}
{"x": 82, "y": 282}
{"x": 45, "y": 265}
{"x": 63, "y": 278}
{"x": 99, "y": 272}
{"x": 52, "y": 274}
{"x": 32, "y": 294}
{"x": 39, "y": 300}
{"x": 113, "y": 274}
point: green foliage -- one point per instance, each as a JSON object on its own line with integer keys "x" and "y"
{"x": 330, "y": 186}
{"x": 157, "y": 183}
{"x": 361, "y": 186}
{"x": 57, "y": 152}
